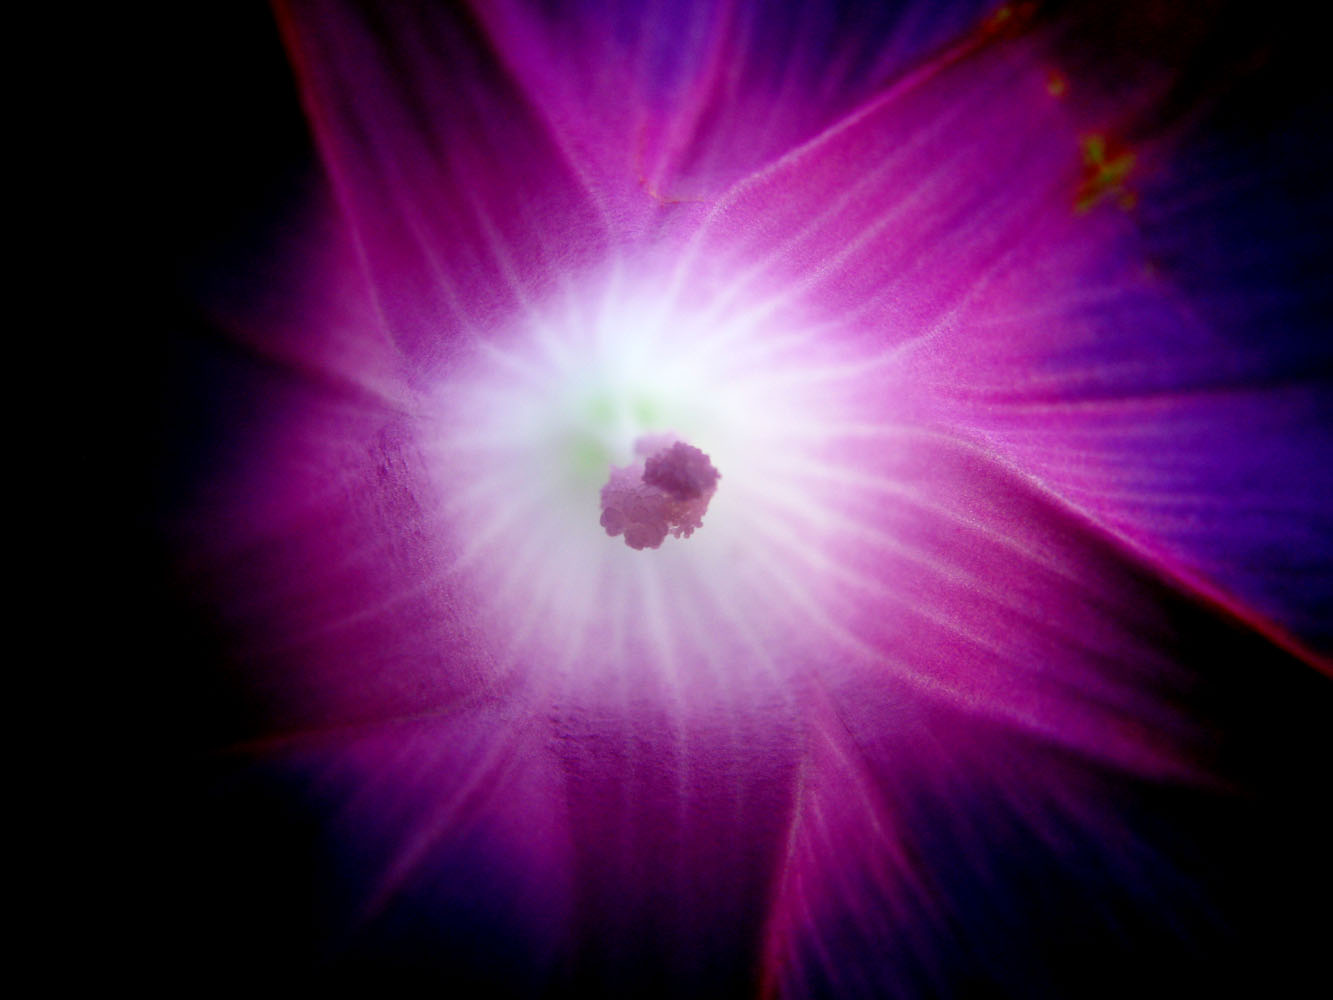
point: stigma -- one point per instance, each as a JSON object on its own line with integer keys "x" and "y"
{"x": 665, "y": 491}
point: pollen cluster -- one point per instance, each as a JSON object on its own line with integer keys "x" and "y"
{"x": 667, "y": 491}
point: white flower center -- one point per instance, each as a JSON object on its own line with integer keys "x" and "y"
{"x": 533, "y": 424}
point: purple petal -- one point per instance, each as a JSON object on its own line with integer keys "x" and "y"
{"x": 462, "y": 208}
{"x": 693, "y": 95}
{"x": 944, "y": 856}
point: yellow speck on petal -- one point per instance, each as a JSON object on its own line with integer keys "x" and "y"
{"x": 1104, "y": 175}
{"x": 1056, "y": 85}
{"x": 1006, "y": 19}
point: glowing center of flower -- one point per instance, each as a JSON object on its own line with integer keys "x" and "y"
{"x": 667, "y": 490}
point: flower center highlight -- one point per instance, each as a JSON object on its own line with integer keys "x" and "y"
{"x": 665, "y": 491}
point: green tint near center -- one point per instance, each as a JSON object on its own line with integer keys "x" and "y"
{"x": 646, "y": 412}
{"x": 589, "y": 457}
{"x": 601, "y": 410}
{"x": 607, "y": 412}
{"x": 604, "y": 424}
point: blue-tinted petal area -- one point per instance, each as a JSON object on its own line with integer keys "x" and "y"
{"x": 429, "y": 852}
{"x": 944, "y": 857}
{"x": 1182, "y": 396}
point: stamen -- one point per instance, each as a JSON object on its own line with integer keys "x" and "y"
{"x": 666, "y": 493}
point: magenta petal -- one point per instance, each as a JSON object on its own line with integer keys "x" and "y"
{"x": 463, "y": 208}
{"x": 583, "y": 843}
{"x": 1026, "y": 279}
{"x": 889, "y": 221}
{"x": 695, "y": 94}
{"x": 322, "y": 562}
{"x": 677, "y": 813}
{"x": 964, "y": 581}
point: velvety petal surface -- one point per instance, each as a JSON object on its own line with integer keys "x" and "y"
{"x": 1174, "y": 380}
{"x": 1138, "y": 325}
{"x": 462, "y": 206}
{"x": 694, "y": 95}
{"x": 941, "y": 856}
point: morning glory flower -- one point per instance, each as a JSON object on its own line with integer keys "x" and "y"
{"x": 784, "y": 499}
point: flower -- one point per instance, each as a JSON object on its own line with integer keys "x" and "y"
{"x": 960, "y": 684}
